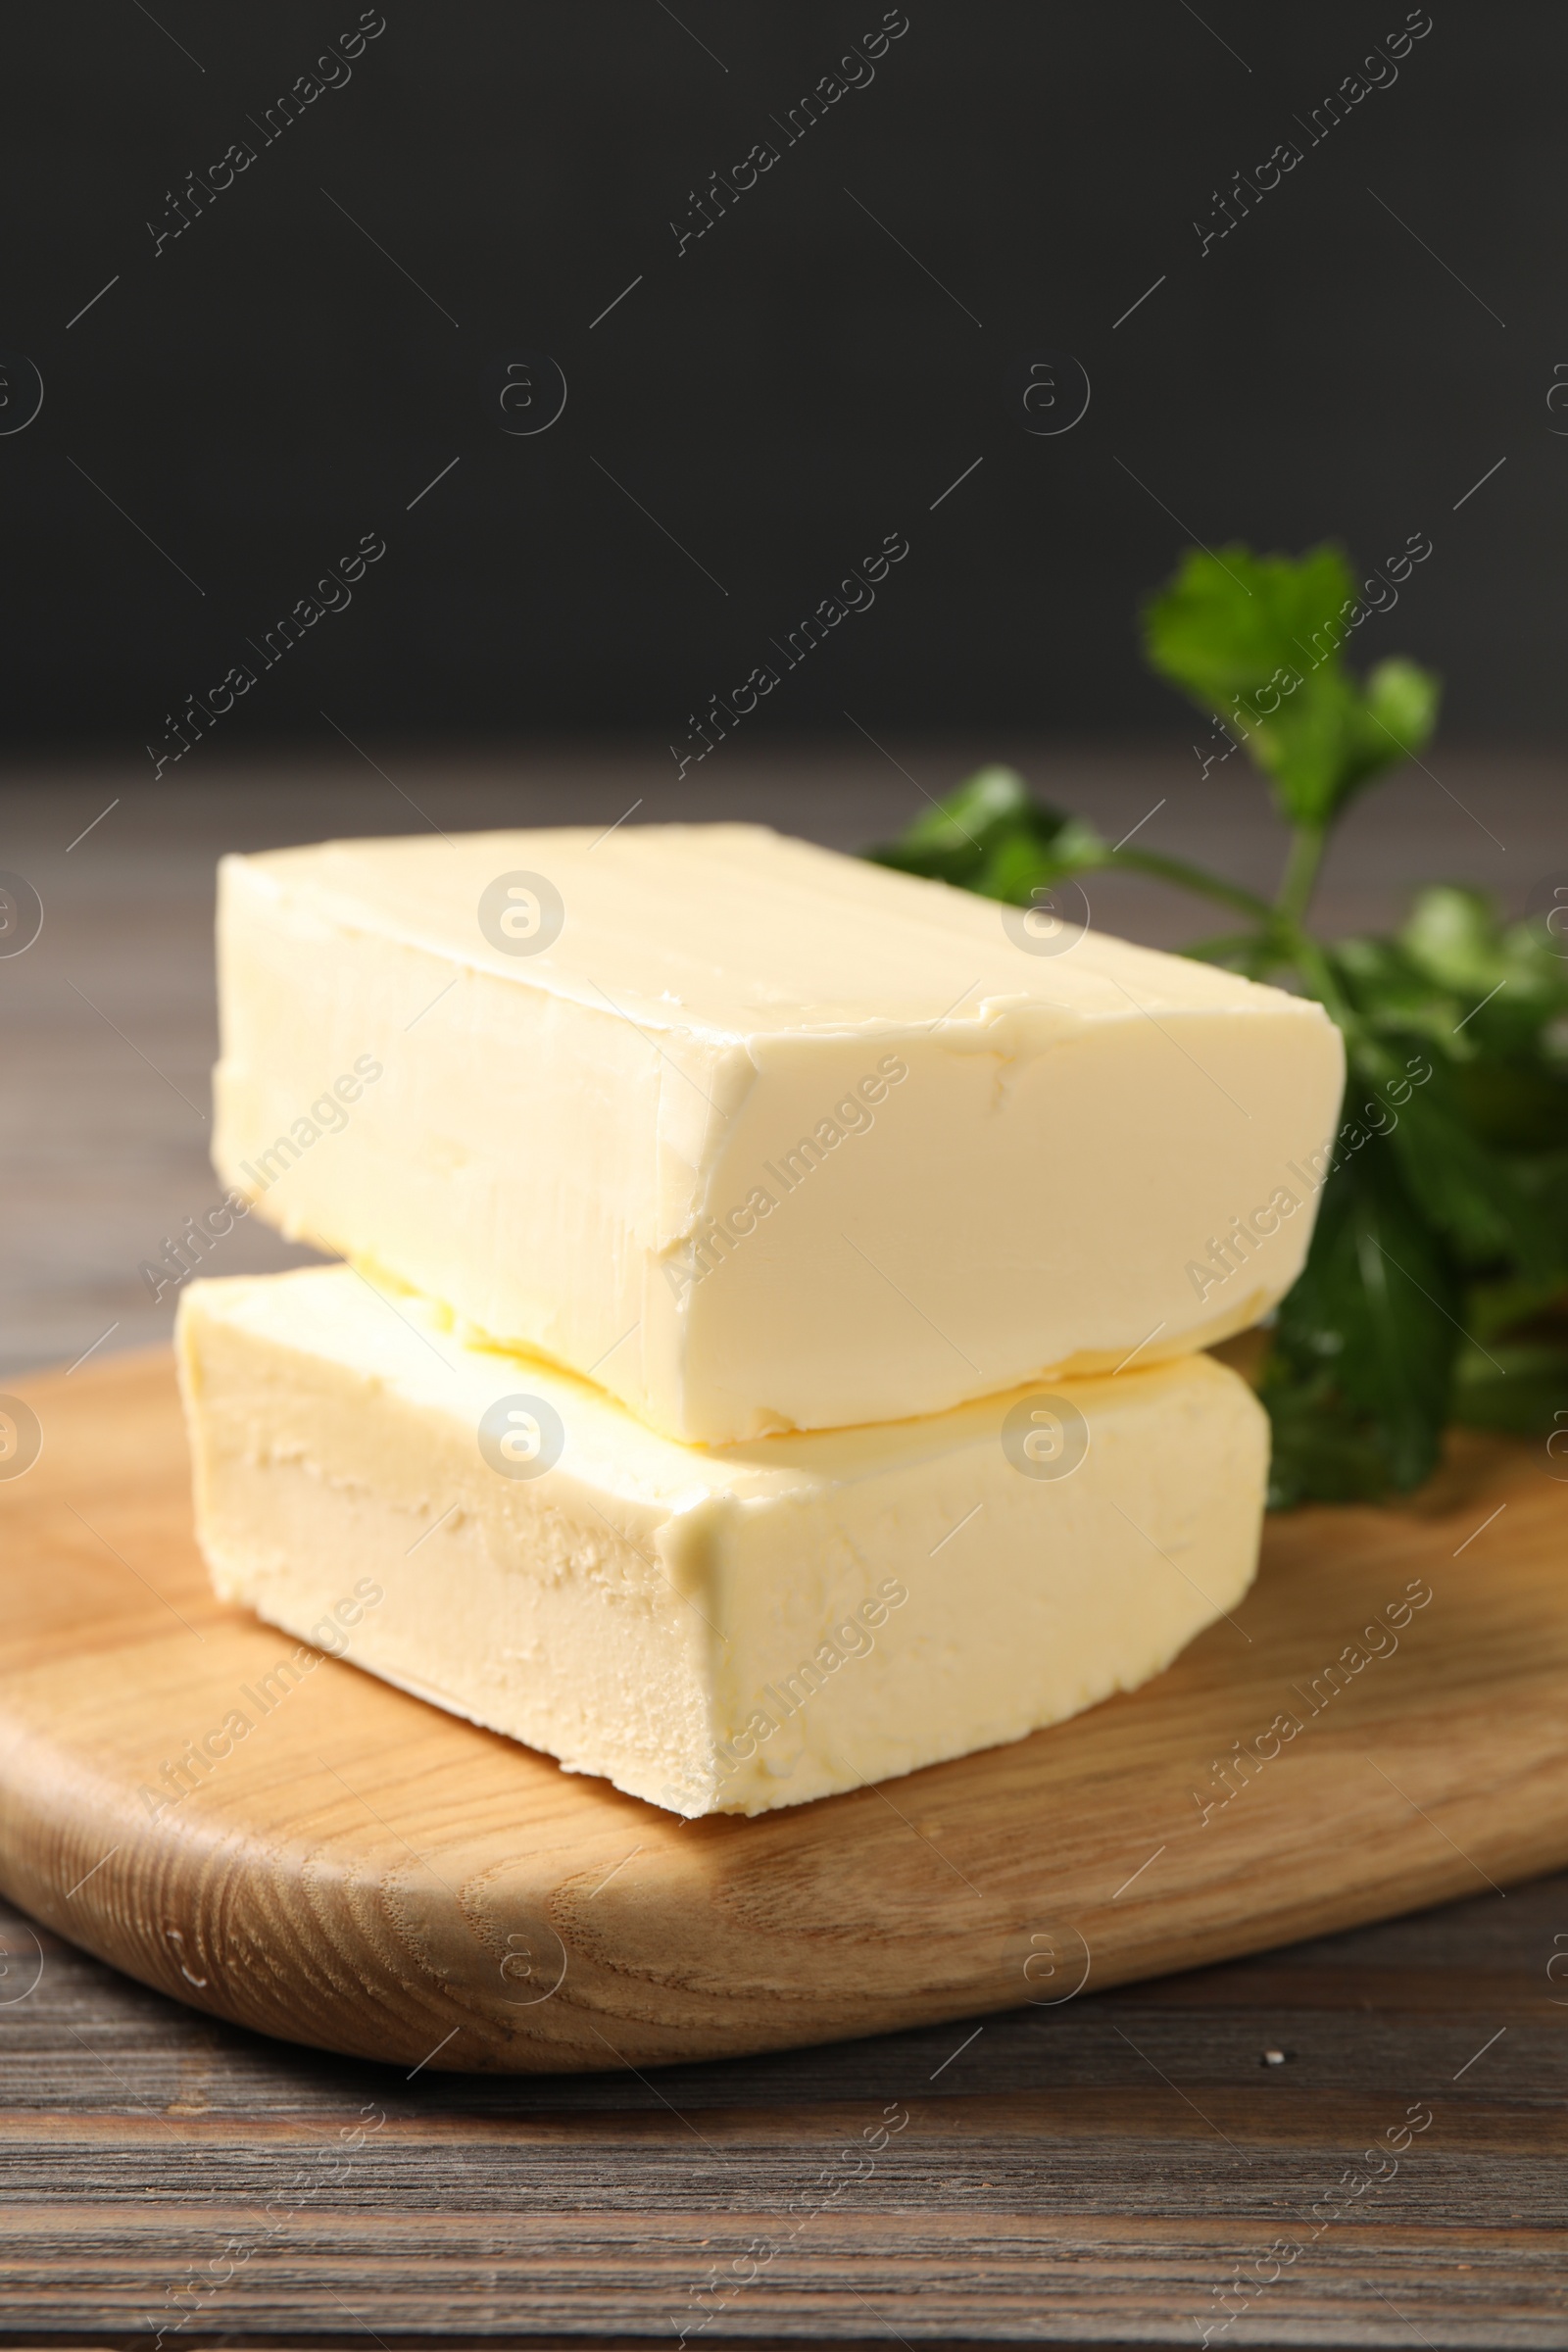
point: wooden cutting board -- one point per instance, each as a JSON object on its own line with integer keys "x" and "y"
{"x": 371, "y": 1875}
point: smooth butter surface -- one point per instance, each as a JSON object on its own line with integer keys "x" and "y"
{"x": 713, "y": 1630}
{"x": 760, "y": 1136}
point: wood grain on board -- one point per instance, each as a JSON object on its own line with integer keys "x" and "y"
{"x": 369, "y": 1874}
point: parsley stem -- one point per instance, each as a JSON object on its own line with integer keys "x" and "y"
{"x": 1307, "y": 844}
{"x": 1288, "y": 923}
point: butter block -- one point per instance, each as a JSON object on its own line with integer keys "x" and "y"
{"x": 760, "y": 1137}
{"x": 713, "y": 1630}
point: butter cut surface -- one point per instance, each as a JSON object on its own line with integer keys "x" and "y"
{"x": 759, "y": 1135}
{"x": 713, "y": 1630}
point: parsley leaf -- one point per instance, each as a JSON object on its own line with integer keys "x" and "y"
{"x": 1436, "y": 1287}
{"x": 991, "y": 837}
{"x": 1357, "y": 1380}
{"x": 1258, "y": 641}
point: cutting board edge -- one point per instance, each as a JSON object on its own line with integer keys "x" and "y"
{"x": 380, "y": 2036}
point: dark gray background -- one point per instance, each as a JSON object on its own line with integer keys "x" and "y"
{"x": 791, "y": 388}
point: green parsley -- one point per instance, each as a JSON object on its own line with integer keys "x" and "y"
{"x": 1438, "y": 1273}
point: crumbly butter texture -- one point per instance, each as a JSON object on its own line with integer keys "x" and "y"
{"x": 759, "y": 1135}
{"x": 713, "y": 1630}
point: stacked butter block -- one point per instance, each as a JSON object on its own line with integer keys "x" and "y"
{"x": 769, "y": 1355}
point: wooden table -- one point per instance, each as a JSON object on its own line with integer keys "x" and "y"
{"x": 1114, "y": 2171}
{"x": 1097, "y": 2173}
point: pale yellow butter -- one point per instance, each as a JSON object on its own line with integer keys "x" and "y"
{"x": 713, "y": 1630}
{"x": 759, "y": 1135}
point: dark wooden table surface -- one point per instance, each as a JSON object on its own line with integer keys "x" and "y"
{"x": 1133, "y": 2168}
